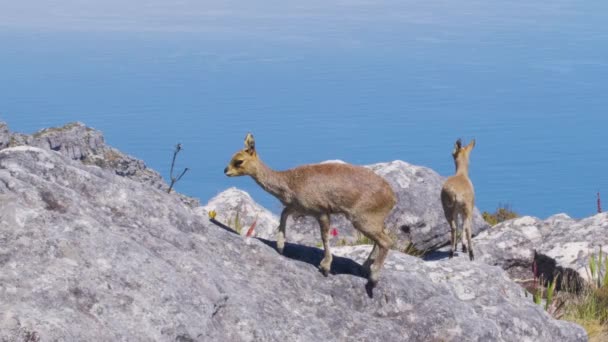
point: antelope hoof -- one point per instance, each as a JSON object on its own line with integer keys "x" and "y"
{"x": 464, "y": 248}
{"x": 471, "y": 256}
{"x": 369, "y": 288}
{"x": 280, "y": 246}
{"x": 325, "y": 267}
{"x": 451, "y": 254}
{"x": 373, "y": 278}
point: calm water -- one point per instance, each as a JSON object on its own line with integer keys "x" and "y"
{"x": 363, "y": 82}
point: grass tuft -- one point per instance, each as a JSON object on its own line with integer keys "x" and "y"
{"x": 362, "y": 240}
{"x": 235, "y": 223}
{"x": 590, "y": 308}
{"x": 504, "y": 212}
{"x": 410, "y": 249}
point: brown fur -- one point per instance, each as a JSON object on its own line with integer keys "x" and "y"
{"x": 458, "y": 198}
{"x": 320, "y": 190}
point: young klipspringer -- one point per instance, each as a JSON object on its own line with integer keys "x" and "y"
{"x": 320, "y": 190}
{"x": 458, "y": 198}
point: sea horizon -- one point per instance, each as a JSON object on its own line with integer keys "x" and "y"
{"x": 361, "y": 82}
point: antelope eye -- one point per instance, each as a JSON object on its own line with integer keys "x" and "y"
{"x": 238, "y": 163}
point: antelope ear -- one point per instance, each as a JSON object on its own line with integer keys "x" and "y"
{"x": 250, "y": 144}
{"x": 471, "y": 144}
{"x": 457, "y": 146}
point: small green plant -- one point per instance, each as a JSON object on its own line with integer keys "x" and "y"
{"x": 598, "y": 270}
{"x": 591, "y": 311}
{"x": 504, "y": 212}
{"x": 363, "y": 240}
{"x": 550, "y": 292}
{"x": 590, "y": 308}
{"x": 410, "y": 249}
{"x": 538, "y": 295}
{"x": 235, "y": 223}
{"x": 341, "y": 242}
{"x": 538, "y": 289}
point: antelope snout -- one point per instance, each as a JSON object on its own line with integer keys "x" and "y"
{"x": 228, "y": 172}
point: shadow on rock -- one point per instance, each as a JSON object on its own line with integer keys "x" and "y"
{"x": 313, "y": 256}
{"x": 223, "y": 226}
{"x": 437, "y": 255}
{"x": 548, "y": 270}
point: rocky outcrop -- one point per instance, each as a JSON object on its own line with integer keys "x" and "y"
{"x": 419, "y": 213}
{"x": 235, "y": 207}
{"x": 87, "y": 255}
{"x": 417, "y": 217}
{"x": 559, "y": 245}
{"x": 79, "y": 142}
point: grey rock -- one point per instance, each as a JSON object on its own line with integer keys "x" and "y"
{"x": 559, "y": 245}
{"x": 19, "y": 139}
{"x": 5, "y": 135}
{"x": 417, "y": 217}
{"x": 87, "y": 255}
{"x": 79, "y": 142}
{"x": 86, "y": 144}
{"x": 474, "y": 283}
{"x": 75, "y": 140}
{"x": 419, "y": 212}
{"x": 233, "y": 201}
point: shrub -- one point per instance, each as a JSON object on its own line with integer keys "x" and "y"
{"x": 410, "y": 249}
{"x": 504, "y": 212}
{"x": 175, "y": 179}
{"x": 591, "y": 311}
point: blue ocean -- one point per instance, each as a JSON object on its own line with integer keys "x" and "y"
{"x": 361, "y": 81}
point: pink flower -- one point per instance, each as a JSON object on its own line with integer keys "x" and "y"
{"x": 251, "y": 228}
{"x": 333, "y": 232}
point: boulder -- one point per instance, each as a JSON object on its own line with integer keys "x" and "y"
{"x": 235, "y": 207}
{"x": 417, "y": 217}
{"x": 75, "y": 140}
{"x": 87, "y": 255}
{"x": 80, "y": 142}
{"x": 559, "y": 245}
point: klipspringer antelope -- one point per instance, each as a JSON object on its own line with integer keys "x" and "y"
{"x": 320, "y": 190}
{"x": 458, "y": 198}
